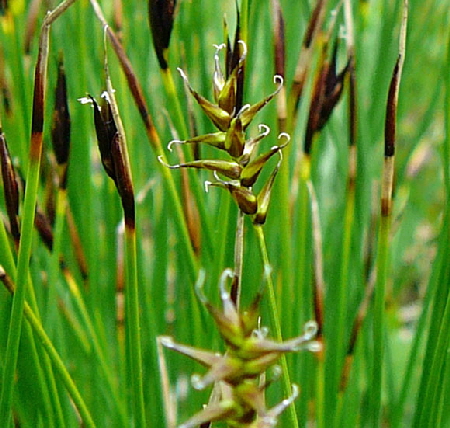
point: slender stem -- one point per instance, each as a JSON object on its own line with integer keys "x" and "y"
{"x": 275, "y": 320}
{"x": 379, "y": 328}
{"x": 15, "y": 325}
{"x": 337, "y": 350}
{"x": 134, "y": 327}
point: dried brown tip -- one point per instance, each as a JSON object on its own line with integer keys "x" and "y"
{"x": 161, "y": 18}
{"x": 10, "y": 188}
{"x": 61, "y": 120}
{"x": 391, "y": 112}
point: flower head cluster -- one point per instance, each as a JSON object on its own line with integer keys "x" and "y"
{"x": 239, "y": 399}
{"x": 232, "y": 119}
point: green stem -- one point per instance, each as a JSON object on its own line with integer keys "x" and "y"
{"x": 337, "y": 338}
{"x": 134, "y": 328}
{"x": 379, "y": 328}
{"x": 304, "y": 292}
{"x": 275, "y": 320}
{"x": 21, "y": 280}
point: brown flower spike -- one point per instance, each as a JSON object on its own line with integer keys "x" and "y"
{"x": 231, "y": 120}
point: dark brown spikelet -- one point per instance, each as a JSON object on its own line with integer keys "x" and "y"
{"x": 391, "y": 109}
{"x": 327, "y": 92}
{"x": 161, "y": 18}
{"x": 61, "y": 121}
{"x": 106, "y": 131}
{"x": 10, "y": 188}
{"x": 334, "y": 86}
{"x": 123, "y": 181}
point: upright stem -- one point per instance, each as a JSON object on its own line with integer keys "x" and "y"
{"x": 275, "y": 320}
{"x": 134, "y": 328}
{"x": 379, "y": 320}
